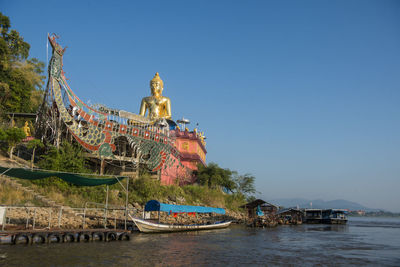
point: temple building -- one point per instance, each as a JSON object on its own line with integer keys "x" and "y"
{"x": 192, "y": 151}
{"x": 190, "y": 145}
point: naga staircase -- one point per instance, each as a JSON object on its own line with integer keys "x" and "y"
{"x": 122, "y": 139}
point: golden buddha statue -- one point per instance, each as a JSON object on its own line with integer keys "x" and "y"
{"x": 26, "y": 129}
{"x": 158, "y": 106}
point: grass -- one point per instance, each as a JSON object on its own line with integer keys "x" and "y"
{"x": 71, "y": 195}
{"x": 140, "y": 191}
{"x": 11, "y": 196}
{"x": 146, "y": 189}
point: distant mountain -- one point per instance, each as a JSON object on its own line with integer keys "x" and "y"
{"x": 319, "y": 204}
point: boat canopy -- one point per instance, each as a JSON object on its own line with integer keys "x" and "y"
{"x": 154, "y": 205}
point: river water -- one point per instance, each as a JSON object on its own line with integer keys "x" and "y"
{"x": 364, "y": 241}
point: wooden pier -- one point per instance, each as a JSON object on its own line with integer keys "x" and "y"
{"x": 63, "y": 236}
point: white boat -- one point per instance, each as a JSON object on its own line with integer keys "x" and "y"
{"x": 151, "y": 227}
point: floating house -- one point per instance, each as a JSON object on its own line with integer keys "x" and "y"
{"x": 312, "y": 216}
{"x": 329, "y": 216}
{"x": 290, "y": 215}
{"x": 258, "y": 205}
{"x": 334, "y": 216}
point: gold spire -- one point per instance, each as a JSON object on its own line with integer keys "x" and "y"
{"x": 157, "y": 78}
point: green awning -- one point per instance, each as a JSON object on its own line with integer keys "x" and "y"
{"x": 76, "y": 179}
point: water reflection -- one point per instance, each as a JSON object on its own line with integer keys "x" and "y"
{"x": 330, "y": 228}
{"x": 358, "y": 243}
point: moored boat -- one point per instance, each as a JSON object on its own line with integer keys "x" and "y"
{"x": 334, "y": 216}
{"x": 326, "y": 216}
{"x": 150, "y": 226}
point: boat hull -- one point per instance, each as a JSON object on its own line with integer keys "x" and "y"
{"x": 150, "y": 227}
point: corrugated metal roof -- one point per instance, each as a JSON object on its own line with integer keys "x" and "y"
{"x": 287, "y": 210}
{"x": 257, "y": 202}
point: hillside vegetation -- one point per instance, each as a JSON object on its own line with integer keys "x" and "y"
{"x": 71, "y": 158}
{"x": 140, "y": 191}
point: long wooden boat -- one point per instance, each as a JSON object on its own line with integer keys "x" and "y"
{"x": 151, "y": 227}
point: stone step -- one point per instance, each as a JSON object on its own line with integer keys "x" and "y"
{"x": 29, "y": 191}
{"x": 44, "y": 199}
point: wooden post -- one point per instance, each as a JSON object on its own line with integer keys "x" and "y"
{"x": 123, "y": 166}
{"x": 84, "y": 218}
{"x": 126, "y": 201}
{"x": 34, "y": 218}
{"x": 102, "y": 166}
{"x": 27, "y": 218}
{"x": 50, "y": 218}
{"x": 105, "y": 210}
{"x": 137, "y": 165}
{"x": 4, "y": 219}
{"x": 59, "y": 217}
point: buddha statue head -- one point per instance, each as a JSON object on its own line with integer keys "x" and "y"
{"x": 156, "y": 85}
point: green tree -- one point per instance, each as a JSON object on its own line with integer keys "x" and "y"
{"x": 13, "y": 137}
{"x": 34, "y": 144}
{"x": 245, "y": 184}
{"x": 21, "y": 78}
{"x": 250, "y": 198}
{"x": 3, "y": 135}
{"x": 3, "y": 139}
{"x": 213, "y": 176}
{"x": 68, "y": 157}
{"x": 145, "y": 188}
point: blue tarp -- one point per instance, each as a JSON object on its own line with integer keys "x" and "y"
{"x": 154, "y": 205}
{"x": 259, "y": 211}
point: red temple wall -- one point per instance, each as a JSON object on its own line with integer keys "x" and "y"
{"x": 191, "y": 152}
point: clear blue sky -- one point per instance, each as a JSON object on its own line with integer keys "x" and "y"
{"x": 305, "y": 95}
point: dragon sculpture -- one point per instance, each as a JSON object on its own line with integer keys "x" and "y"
{"x": 97, "y": 128}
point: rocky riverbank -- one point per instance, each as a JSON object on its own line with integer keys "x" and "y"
{"x": 51, "y": 218}
{"x": 197, "y": 218}
{"x": 54, "y": 218}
